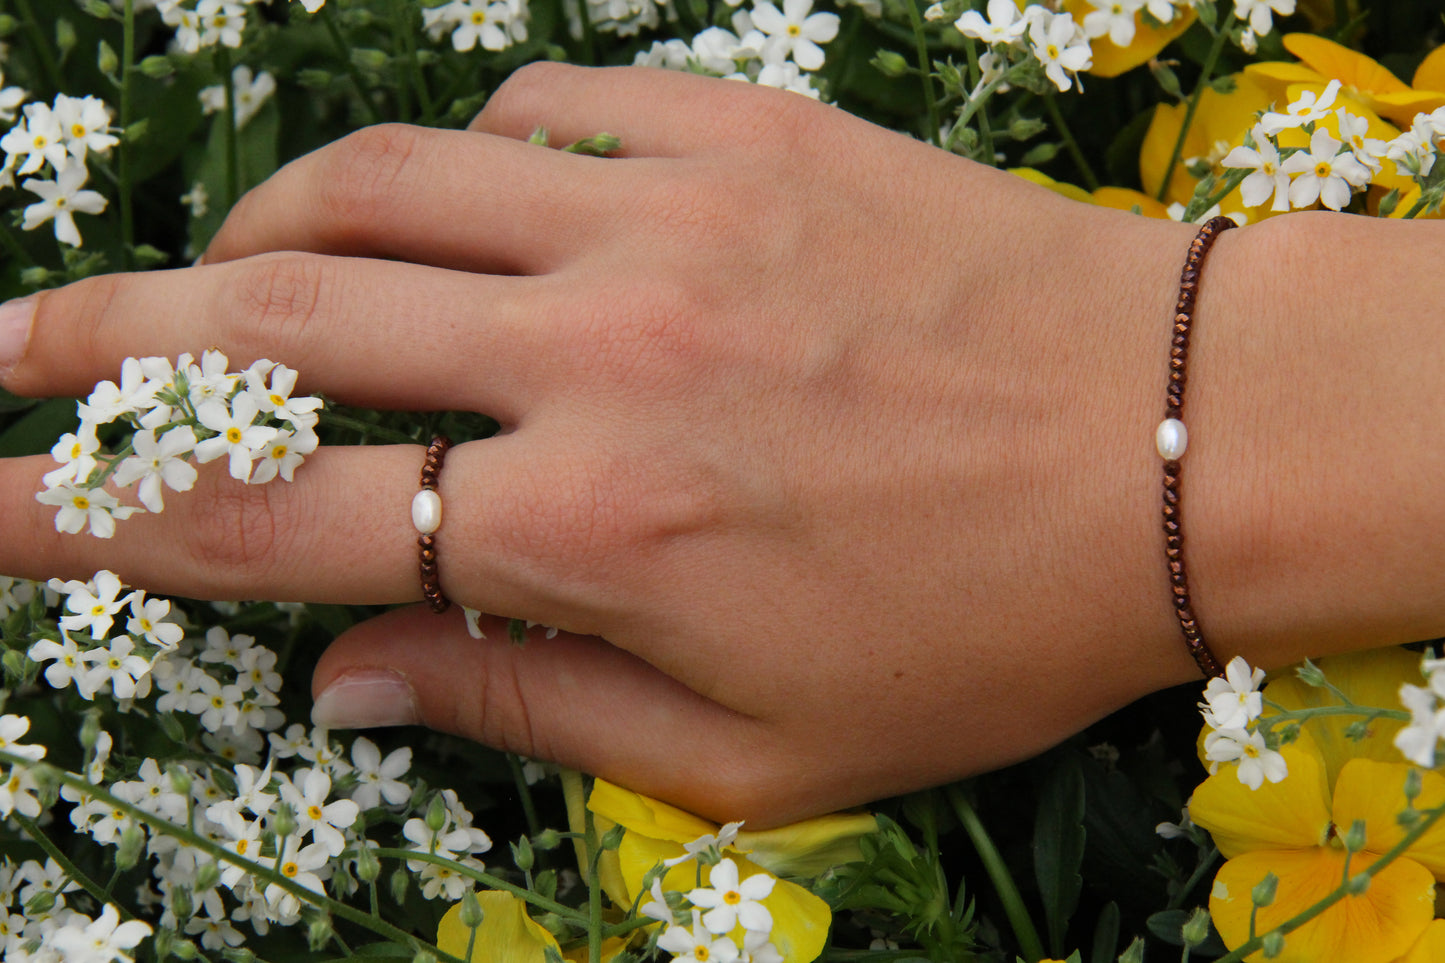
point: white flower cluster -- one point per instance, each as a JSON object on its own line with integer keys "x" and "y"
{"x": 494, "y": 24}
{"x": 1418, "y": 740}
{"x": 1118, "y": 18}
{"x": 1331, "y": 169}
{"x": 768, "y": 46}
{"x": 715, "y": 911}
{"x": 1232, "y": 705}
{"x": 625, "y": 18}
{"x": 303, "y": 816}
{"x": 248, "y": 92}
{"x": 54, "y": 142}
{"x": 1057, "y": 41}
{"x": 178, "y": 411}
{"x": 205, "y": 23}
{"x": 60, "y": 933}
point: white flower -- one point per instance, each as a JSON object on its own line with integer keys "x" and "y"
{"x": 60, "y": 200}
{"x": 70, "y": 664}
{"x": 103, "y": 940}
{"x": 283, "y": 454}
{"x": 1417, "y": 741}
{"x": 236, "y": 436}
{"x": 80, "y": 507}
{"x": 729, "y": 902}
{"x": 313, "y": 5}
{"x": 222, "y": 22}
{"x": 217, "y": 705}
{"x": 1414, "y": 150}
{"x": 12, "y": 727}
{"x": 109, "y": 401}
{"x": 1005, "y": 24}
{"x": 1112, "y": 17}
{"x": 787, "y": 76}
{"x": 1163, "y": 10}
{"x": 725, "y": 837}
{"x": 1259, "y": 13}
{"x": 1367, "y": 150}
{"x": 85, "y": 125}
{"x": 299, "y": 864}
{"x": 1325, "y": 173}
{"x": 76, "y": 453}
{"x": 1306, "y": 110}
{"x": 1060, "y": 46}
{"x": 198, "y": 199}
{"x": 758, "y": 948}
{"x": 119, "y": 665}
{"x": 92, "y": 604}
{"x": 36, "y": 140}
{"x": 19, "y": 793}
{"x": 148, "y": 621}
{"x": 157, "y": 461}
{"x": 247, "y": 91}
{"x": 1234, "y": 701}
{"x": 480, "y": 21}
{"x": 1267, "y": 178}
{"x": 10, "y": 100}
{"x": 1257, "y": 762}
{"x": 208, "y": 380}
{"x": 377, "y": 778}
{"x": 697, "y": 946}
{"x": 314, "y": 815}
{"x": 794, "y": 31}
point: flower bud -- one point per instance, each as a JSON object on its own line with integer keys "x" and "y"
{"x": 1195, "y": 929}
{"x": 424, "y": 956}
{"x": 471, "y": 912}
{"x": 181, "y": 903}
{"x": 65, "y": 38}
{"x": 184, "y": 950}
{"x": 180, "y": 780}
{"x": 369, "y": 58}
{"x": 399, "y": 882}
{"x": 207, "y": 876}
{"x": 613, "y": 837}
{"x": 436, "y": 814}
{"x": 553, "y": 924}
{"x": 14, "y": 663}
{"x": 238, "y": 955}
{"x": 522, "y": 855}
{"x": 1264, "y": 890}
{"x": 1310, "y": 674}
{"x": 1389, "y": 202}
{"x": 890, "y": 63}
{"x": 319, "y": 932}
{"x": 1134, "y": 953}
{"x": 156, "y": 67}
{"x": 368, "y": 867}
{"x": 1357, "y": 884}
{"x": 127, "y": 854}
{"x": 1355, "y": 838}
{"x": 90, "y": 730}
{"x": 283, "y": 824}
{"x": 40, "y": 904}
{"x": 1273, "y": 944}
{"x": 547, "y": 840}
{"x": 105, "y": 57}
{"x": 1414, "y": 783}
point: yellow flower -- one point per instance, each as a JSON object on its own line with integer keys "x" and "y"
{"x": 1111, "y": 60}
{"x": 1061, "y": 188}
{"x": 657, "y": 831}
{"x": 1219, "y": 125}
{"x": 507, "y": 933}
{"x": 1295, "y": 828}
{"x": 1365, "y": 81}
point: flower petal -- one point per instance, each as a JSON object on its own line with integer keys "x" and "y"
{"x": 1376, "y": 927}
{"x": 1293, "y": 813}
{"x": 506, "y": 933}
{"x": 1375, "y": 792}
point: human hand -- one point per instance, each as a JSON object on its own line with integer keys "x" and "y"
{"x": 830, "y": 452}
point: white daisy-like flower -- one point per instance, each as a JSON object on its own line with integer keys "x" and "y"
{"x": 81, "y": 507}
{"x": 92, "y": 605}
{"x": 1260, "y": 13}
{"x": 1310, "y": 107}
{"x": 480, "y": 21}
{"x": 1114, "y": 18}
{"x": 1257, "y": 762}
{"x": 12, "y": 728}
{"x": 1005, "y": 23}
{"x": 148, "y": 621}
{"x": 725, "y": 837}
{"x": 117, "y": 665}
{"x": 69, "y": 664}
{"x": 697, "y": 945}
{"x": 10, "y": 99}
{"x": 379, "y": 779}
{"x": 1234, "y": 701}
{"x": 283, "y": 454}
{"x": 794, "y": 31}
{"x": 323, "y": 820}
{"x": 159, "y": 462}
{"x": 75, "y": 451}
{"x": 1325, "y": 173}
{"x": 36, "y": 140}
{"x": 729, "y": 901}
{"x": 1060, "y": 46}
{"x": 85, "y": 125}
{"x": 1353, "y": 131}
{"x": 1417, "y": 741}
{"x": 236, "y": 435}
{"x": 1267, "y": 178}
{"x": 60, "y": 200}
{"x": 249, "y": 91}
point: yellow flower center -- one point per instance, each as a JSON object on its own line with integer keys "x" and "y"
{"x": 479, "y": 17}
{"x": 1322, "y": 169}
{"x": 700, "y": 954}
{"x": 81, "y": 502}
{"x": 277, "y": 400}
{"x": 289, "y": 870}
{"x": 40, "y": 141}
{"x": 1052, "y": 51}
{"x": 75, "y": 450}
{"x": 233, "y": 435}
{"x": 278, "y": 452}
{"x": 241, "y": 846}
{"x": 77, "y": 130}
{"x": 732, "y": 897}
{"x": 97, "y": 610}
{"x": 314, "y": 812}
{"x": 794, "y": 30}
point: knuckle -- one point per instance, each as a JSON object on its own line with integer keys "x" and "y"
{"x": 86, "y": 316}
{"x": 364, "y": 173}
{"x": 272, "y": 301}
{"x": 519, "y": 93}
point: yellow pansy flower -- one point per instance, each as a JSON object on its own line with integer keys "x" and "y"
{"x": 507, "y": 933}
{"x": 657, "y": 831}
{"x": 1364, "y": 80}
{"x": 1111, "y": 60}
{"x": 1128, "y": 199}
{"x": 1430, "y": 75}
{"x": 1294, "y": 828}
{"x": 1062, "y": 188}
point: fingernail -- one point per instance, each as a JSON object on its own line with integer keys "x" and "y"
{"x": 366, "y": 700}
{"x": 15, "y": 319}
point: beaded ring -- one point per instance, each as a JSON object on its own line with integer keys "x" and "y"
{"x": 1171, "y": 438}
{"x": 426, "y": 515}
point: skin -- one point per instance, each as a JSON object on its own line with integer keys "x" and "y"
{"x": 831, "y": 453}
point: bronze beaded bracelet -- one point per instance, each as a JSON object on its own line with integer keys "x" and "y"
{"x": 426, "y": 515}
{"x": 1171, "y": 439}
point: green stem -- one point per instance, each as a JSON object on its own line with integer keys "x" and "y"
{"x": 589, "y": 40}
{"x": 1205, "y": 863}
{"x": 1256, "y": 943}
{"x": 925, "y": 70}
{"x": 1091, "y": 182}
{"x": 487, "y": 879}
{"x": 343, "y": 54}
{"x": 49, "y": 66}
{"x": 985, "y": 130}
{"x": 405, "y": 30}
{"x": 127, "y": 103}
{"x": 366, "y": 428}
{"x": 1209, "y": 63}
{"x": 233, "y": 147}
{"x": 72, "y": 871}
{"x": 524, "y": 791}
{"x": 594, "y": 884}
{"x": 216, "y": 851}
{"x": 1003, "y": 883}
{"x": 1417, "y": 208}
{"x": 976, "y": 101}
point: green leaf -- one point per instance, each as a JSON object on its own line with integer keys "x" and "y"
{"x": 9, "y": 402}
{"x": 1169, "y": 927}
{"x": 38, "y": 431}
{"x": 1106, "y": 934}
{"x": 1059, "y": 849}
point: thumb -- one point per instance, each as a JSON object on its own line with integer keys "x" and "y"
{"x": 576, "y": 700}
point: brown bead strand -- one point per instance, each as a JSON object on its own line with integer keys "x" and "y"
{"x": 1174, "y": 408}
{"x": 431, "y": 586}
